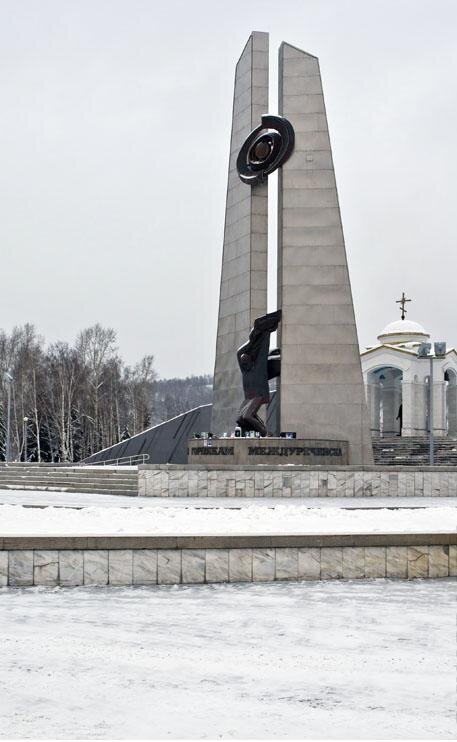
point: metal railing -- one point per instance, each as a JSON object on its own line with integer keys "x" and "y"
{"x": 141, "y": 458}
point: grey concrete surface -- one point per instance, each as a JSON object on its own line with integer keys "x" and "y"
{"x": 243, "y": 289}
{"x": 321, "y": 393}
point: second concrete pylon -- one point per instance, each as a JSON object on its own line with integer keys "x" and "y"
{"x": 321, "y": 391}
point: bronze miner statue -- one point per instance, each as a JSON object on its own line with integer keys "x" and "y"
{"x": 258, "y": 365}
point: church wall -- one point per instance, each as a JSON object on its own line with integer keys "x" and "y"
{"x": 414, "y": 392}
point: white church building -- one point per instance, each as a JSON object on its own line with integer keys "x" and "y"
{"x": 397, "y": 383}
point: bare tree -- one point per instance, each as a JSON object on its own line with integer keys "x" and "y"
{"x": 96, "y": 346}
{"x": 81, "y": 398}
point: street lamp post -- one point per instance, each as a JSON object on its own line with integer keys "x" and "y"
{"x": 8, "y": 379}
{"x": 431, "y": 440}
{"x": 24, "y": 437}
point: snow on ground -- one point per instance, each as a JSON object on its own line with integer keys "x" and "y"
{"x": 203, "y": 517}
{"x": 70, "y": 499}
{"x": 328, "y": 660}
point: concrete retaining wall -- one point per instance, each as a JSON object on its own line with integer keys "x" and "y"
{"x": 296, "y": 481}
{"x": 188, "y": 560}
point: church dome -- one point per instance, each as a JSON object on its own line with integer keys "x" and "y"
{"x": 403, "y": 331}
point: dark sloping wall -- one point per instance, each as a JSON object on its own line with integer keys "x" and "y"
{"x": 165, "y": 443}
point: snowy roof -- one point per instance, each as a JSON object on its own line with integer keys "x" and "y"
{"x": 403, "y": 331}
{"x": 395, "y": 347}
{"x": 404, "y": 326}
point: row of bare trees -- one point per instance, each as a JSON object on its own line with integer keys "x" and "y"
{"x": 68, "y": 401}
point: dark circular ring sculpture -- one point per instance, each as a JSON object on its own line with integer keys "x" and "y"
{"x": 267, "y": 147}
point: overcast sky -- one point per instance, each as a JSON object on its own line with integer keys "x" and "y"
{"x": 114, "y": 139}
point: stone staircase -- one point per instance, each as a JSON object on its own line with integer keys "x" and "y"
{"x": 63, "y": 478}
{"x": 414, "y": 451}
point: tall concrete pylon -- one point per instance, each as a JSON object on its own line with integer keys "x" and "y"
{"x": 321, "y": 390}
{"x": 243, "y": 289}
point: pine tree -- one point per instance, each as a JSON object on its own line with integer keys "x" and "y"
{"x": 125, "y": 435}
{"x": 46, "y": 438}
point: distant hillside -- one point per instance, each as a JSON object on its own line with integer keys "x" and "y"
{"x": 170, "y": 397}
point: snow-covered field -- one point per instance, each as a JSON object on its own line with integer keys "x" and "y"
{"x": 333, "y": 660}
{"x": 223, "y": 516}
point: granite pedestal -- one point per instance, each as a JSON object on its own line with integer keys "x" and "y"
{"x": 245, "y": 451}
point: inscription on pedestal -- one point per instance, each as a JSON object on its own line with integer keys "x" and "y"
{"x": 267, "y": 451}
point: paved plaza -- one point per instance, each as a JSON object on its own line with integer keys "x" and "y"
{"x": 318, "y": 660}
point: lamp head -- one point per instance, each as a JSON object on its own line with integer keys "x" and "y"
{"x": 424, "y": 350}
{"x": 440, "y": 349}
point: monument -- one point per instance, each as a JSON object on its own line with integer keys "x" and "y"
{"x": 320, "y": 392}
{"x": 320, "y": 396}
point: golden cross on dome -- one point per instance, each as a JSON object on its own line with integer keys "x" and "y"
{"x": 402, "y": 301}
